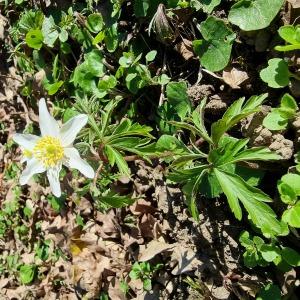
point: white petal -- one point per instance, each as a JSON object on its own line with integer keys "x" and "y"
{"x": 48, "y": 125}
{"x": 27, "y": 141}
{"x": 70, "y": 129}
{"x": 33, "y": 167}
{"x": 53, "y": 177}
{"x": 76, "y": 162}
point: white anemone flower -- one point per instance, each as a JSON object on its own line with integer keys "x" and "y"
{"x": 51, "y": 150}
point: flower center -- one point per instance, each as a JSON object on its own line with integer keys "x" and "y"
{"x": 49, "y": 151}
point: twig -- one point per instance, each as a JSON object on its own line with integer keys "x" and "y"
{"x": 97, "y": 174}
{"x": 212, "y": 74}
{"x": 162, "y": 91}
{"x": 11, "y": 77}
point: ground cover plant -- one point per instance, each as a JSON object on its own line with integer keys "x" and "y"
{"x": 149, "y": 149}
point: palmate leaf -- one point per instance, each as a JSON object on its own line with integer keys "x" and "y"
{"x": 232, "y": 150}
{"x": 116, "y": 200}
{"x": 253, "y": 199}
{"x": 115, "y": 157}
{"x": 236, "y": 112}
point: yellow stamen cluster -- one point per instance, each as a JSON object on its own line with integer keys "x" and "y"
{"x": 49, "y": 151}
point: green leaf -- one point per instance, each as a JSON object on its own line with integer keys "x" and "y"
{"x": 288, "y": 102}
{"x": 291, "y": 256}
{"x": 198, "y": 120}
{"x": 276, "y": 74}
{"x": 278, "y": 118}
{"x": 254, "y": 14}
{"x": 151, "y": 55}
{"x": 215, "y": 50}
{"x": 63, "y": 35}
{"x": 94, "y": 63}
{"x": 171, "y": 143}
{"x": 178, "y": 98}
{"x": 207, "y": 6}
{"x": 293, "y": 180}
{"x": 231, "y": 151}
{"x": 115, "y": 156}
{"x": 116, "y": 200}
{"x": 235, "y": 189}
{"x": 256, "y": 153}
{"x": 50, "y": 32}
{"x": 209, "y": 185}
{"x": 236, "y": 112}
{"x": 269, "y": 252}
{"x": 245, "y": 240}
{"x": 275, "y": 121}
{"x": 27, "y": 273}
{"x": 290, "y": 34}
{"x": 268, "y": 292}
{"x": 141, "y": 7}
{"x": 95, "y": 22}
{"x": 34, "y": 39}
{"x": 292, "y": 215}
{"x": 287, "y": 194}
{"x": 52, "y": 88}
{"x": 111, "y": 38}
{"x": 147, "y": 284}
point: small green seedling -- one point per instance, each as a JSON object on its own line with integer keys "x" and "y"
{"x": 144, "y": 271}
{"x": 291, "y": 35}
{"x": 289, "y": 190}
{"x": 278, "y": 118}
{"x": 277, "y": 74}
{"x": 259, "y": 253}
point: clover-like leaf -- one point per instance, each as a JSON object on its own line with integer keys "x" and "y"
{"x": 215, "y": 48}
{"x": 276, "y": 74}
{"x": 291, "y": 34}
{"x": 254, "y": 14}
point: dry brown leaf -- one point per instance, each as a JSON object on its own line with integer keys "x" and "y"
{"x": 185, "y": 48}
{"x": 142, "y": 206}
{"x": 186, "y": 260}
{"x": 114, "y": 290}
{"x": 234, "y": 77}
{"x": 294, "y": 3}
{"x": 87, "y": 271}
{"x": 153, "y": 248}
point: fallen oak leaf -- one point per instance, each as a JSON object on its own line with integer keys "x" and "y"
{"x": 153, "y": 248}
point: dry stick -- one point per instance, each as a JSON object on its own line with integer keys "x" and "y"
{"x": 162, "y": 91}
{"x": 28, "y": 121}
{"x": 97, "y": 174}
{"x": 11, "y": 77}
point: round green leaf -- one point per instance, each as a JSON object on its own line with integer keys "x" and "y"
{"x": 95, "y": 23}
{"x": 215, "y": 49}
{"x": 27, "y": 273}
{"x": 292, "y": 216}
{"x": 291, "y": 256}
{"x": 269, "y": 252}
{"x": 293, "y": 180}
{"x": 254, "y": 14}
{"x": 276, "y": 74}
{"x": 34, "y": 39}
